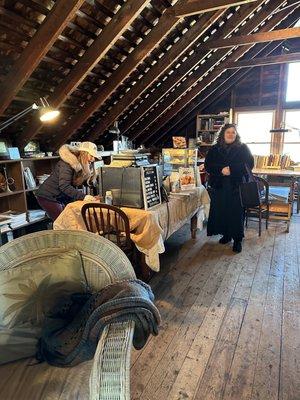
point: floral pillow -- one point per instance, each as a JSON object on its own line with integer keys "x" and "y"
{"x": 27, "y": 294}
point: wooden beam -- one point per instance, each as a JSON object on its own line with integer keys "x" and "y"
{"x": 192, "y": 7}
{"x": 56, "y": 21}
{"x": 199, "y": 55}
{"x": 107, "y": 38}
{"x": 184, "y": 89}
{"x": 280, "y": 34}
{"x": 166, "y": 23}
{"x": 280, "y": 59}
{"x": 217, "y": 89}
{"x": 177, "y": 50}
{"x": 184, "y": 94}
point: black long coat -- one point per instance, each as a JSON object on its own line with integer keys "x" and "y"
{"x": 226, "y": 215}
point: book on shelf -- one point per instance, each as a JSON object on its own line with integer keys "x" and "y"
{"x": 275, "y": 161}
{"x": 17, "y": 218}
{"x": 29, "y": 179}
{"x": 34, "y": 215}
{"x": 4, "y": 224}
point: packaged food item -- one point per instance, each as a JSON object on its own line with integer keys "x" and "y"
{"x": 187, "y": 178}
{"x": 179, "y": 142}
{"x": 108, "y": 198}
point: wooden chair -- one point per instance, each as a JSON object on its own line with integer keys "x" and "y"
{"x": 263, "y": 210}
{"x": 281, "y": 203}
{"x": 106, "y": 377}
{"x": 110, "y": 222}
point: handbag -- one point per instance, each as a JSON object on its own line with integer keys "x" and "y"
{"x": 250, "y": 191}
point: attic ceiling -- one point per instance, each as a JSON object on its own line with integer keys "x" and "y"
{"x": 133, "y": 61}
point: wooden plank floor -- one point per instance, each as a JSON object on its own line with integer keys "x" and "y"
{"x": 230, "y": 322}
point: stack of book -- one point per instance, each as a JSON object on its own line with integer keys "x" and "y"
{"x": 275, "y": 161}
{"x": 34, "y": 215}
{"x": 17, "y": 218}
{"x": 4, "y": 224}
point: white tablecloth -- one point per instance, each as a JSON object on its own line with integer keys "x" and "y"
{"x": 149, "y": 228}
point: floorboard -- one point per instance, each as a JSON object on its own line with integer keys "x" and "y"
{"x": 230, "y": 322}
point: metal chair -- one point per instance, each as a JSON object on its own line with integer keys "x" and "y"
{"x": 107, "y": 377}
{"x": 110, "y": 222}
{"x": 263, "y": 210}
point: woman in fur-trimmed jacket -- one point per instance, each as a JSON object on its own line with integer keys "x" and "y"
{"x": 72, "y": 170}
{"x": 226, "y": 163}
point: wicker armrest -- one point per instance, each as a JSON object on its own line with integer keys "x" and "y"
{"x": 110, "y": 375}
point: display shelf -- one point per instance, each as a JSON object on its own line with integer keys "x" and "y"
{"x": 23, "y": 199}
{"x": 173, "y": 159}
{"x": 5, "y": 194}
{"x": 207, "y": 127}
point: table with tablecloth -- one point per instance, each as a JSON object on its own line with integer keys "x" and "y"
{"x": 149, "y": 228}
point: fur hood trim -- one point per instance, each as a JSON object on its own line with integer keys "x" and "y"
{"x": 68, "y": 154}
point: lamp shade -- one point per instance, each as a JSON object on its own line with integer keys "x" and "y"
{"x": 48, "y": 114}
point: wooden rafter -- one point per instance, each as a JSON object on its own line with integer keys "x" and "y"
{"x": 211, "y": 94}
{"x": 56, "y": 21}
{"x": 279, "y": 34}
{"x": 192, "y": 7}
{"x": 280, "y": 59}
{"x": 196, "y": 59}
{"x": 108, "y": 37}
{"x": 166, "y": 23}
{"x": 185, "y": 94}
{"x": 155, "y": 72}
{"x": 205, "y": 68}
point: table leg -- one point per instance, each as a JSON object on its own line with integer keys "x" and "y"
{"x": 194, "y": 222}
{"x": 144, "y": 271}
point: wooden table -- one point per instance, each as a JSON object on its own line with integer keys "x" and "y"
{"x": 294, "y": 177}
{"x": 149, "y": 229}
{"x": 282, "y": 211}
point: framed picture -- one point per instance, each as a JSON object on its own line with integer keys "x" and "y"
{"x": 4, "y": 154}
{"x": 32, "y": 147}
{"x": 14, "y": 153}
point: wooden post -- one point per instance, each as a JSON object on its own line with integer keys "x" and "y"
{"x": 278, "y": 137}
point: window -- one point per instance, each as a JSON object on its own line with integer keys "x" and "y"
{"x": 291, "y": 144}
{"x": 293, "y": 84}
{"x": 254, "y": 129}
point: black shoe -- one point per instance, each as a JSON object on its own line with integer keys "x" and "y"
{"x": 225, "y": 239}
{"x": 237, "y": 247}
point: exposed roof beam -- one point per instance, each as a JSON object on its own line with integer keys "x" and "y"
{"x": 279, "y": 34}
{"x": 166, "y": 23}
{"x": 184, "y": 93}
{"x": 192, "y": 7}
{"x": 194, "y": 60}
{"x": 108, "y": 37}
{"x": 218, "y": 88}
{"x": 183, "y": 86}
{"x": 156, "y": 71}
{"x": 53, "y": 25}
{"x": 280, "y": 59}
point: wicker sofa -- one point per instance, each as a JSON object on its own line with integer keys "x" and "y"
{"x": 106, "y": 377}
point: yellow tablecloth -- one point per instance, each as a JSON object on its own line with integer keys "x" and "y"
{"x": 149, "y": 228}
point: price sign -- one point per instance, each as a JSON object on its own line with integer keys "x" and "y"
{"x": 150, "y": 183}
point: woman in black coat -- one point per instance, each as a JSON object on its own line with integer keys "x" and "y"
{"x": 226, "y": 163}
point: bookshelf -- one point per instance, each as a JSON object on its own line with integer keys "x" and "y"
{"x": 207, "y": 126}
{"x": 20, "y": 198}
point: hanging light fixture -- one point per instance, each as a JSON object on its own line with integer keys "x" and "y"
{"x": 47, "y": 113}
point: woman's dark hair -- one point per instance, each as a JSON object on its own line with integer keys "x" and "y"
{"x": 221, "y": 136}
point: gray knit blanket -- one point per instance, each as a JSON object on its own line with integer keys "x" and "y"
{"x": 72, "y": 331}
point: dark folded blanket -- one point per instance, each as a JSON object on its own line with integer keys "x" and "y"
{"x": 71, "y": 333}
